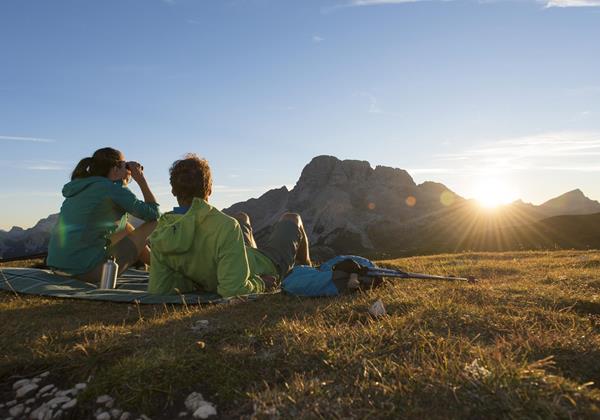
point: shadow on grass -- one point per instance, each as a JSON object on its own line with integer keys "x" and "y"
{"x": 151, "y": 358}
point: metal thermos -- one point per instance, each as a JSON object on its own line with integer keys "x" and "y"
{"x": 109, "y": 274}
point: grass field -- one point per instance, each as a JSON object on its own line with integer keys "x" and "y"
{"x": 524, "y": 342}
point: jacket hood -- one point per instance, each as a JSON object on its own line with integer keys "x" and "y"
{"x": 175, "y": 232}
{"x": 77, "y": 185}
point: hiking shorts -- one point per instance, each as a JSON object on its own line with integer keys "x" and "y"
{"x": 125, "y": 253}
{"x": 282, "y": 245}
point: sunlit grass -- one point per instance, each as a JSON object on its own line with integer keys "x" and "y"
{"x": 531, "y": 327}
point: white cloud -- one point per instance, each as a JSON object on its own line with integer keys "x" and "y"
{"x": 573, "y": 3}
{"x": 45, "y": 167}
{"x": 547, "y": 3}
{"x": 373, "y": 103}
{"x": 26, "y": 139}
{"x": 358, "y": 3}
{"x": 575, "y": 151}
{"x": 317, "y": 39}
{"x": 35, "y": 165}
{"x": 419, "y": 171}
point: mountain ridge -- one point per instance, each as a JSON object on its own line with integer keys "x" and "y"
{"x": 349, "y": 206}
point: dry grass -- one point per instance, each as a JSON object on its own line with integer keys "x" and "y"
{"x": 532, "y": 324}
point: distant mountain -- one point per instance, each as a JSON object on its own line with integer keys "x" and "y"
{"x": 18, "y": 241}
{"x": 345, "y": 204}
{"x": 573, "y": 202}
{"x": 349, "y": 207}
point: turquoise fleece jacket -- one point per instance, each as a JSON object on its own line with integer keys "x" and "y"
{"x": 91, "y": 212}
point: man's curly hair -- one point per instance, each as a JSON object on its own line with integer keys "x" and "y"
{"x": 190, "y": 177}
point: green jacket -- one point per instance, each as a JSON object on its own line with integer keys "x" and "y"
{"x": 203, "y": 250}
{"x": 92, "y": 211}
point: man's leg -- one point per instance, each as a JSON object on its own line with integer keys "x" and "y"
{"x": 244, "y": 220}
{"x": 303, "y": 253}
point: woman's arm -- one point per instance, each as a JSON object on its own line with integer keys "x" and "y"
{"x": 138, "y": 176}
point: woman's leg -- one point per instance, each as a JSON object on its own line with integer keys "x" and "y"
{"x": 117, "y": 236}
{"x": 138, "y": 237}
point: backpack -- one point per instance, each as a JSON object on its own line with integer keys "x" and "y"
{"x": 343, "y": 274}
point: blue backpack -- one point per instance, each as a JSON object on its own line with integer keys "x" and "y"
{"x": 340, "y": 275}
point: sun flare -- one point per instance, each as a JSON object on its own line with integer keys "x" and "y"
{"x": 491, "y": 193}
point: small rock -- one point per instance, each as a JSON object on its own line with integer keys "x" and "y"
{"x": 27, "y": 410}
{"x": 25, "y": 390}
{"x": 125, "y": 416}
{"x": 43, "y": 375}
{"x": 1, "y": 405}
{"x": 43, "y": 412}
{"x": 70, "y": 404}
{"x": 57, "y": 415}
{"x": 145, "y": 417}
{"x": 194, "y": 401}
{"x": 36, "y": 380}
{"x": 17, "y": 410}
{"x": 11, "y": 403}
{"x": 81, "y": 386}
{"x": 476, "y": 370}
{"x": 103, "y": 416}
{"x": 183, "y": 414}
{"x": 200, "y": 325}
{"x": 205, "y": 411}
{"x": 103, "y": 399}
{"x": 115, "y": 413}
{"x": 47, "y": 394}
{"x": 66, "y": 393}
{"x": 56, "y": 401}
{"x": 20, "y": 383}
{"x": 30, "y": 401}
{"x": 377, "y": 309}
{"x": 45, "y": 389}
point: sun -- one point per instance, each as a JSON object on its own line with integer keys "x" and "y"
{"x": 491, "y": 193}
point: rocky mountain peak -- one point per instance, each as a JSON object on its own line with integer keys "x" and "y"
{"x": 392, "y": 177}
{"x": 329, "y": 170}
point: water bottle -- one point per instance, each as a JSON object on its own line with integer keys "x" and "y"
{"x": 109, "y": 274}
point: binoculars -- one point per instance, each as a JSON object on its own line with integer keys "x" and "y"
{"x": 128, "y": 166}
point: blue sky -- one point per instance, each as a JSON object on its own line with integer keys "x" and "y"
{"x": 468, "y": 93}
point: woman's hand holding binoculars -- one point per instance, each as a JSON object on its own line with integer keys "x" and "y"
{"x": 136, "y": 170}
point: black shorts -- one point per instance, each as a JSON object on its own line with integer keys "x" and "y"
{"x": 282, "y": 245}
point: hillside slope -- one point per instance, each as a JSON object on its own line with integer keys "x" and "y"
{"x": 521, "y": 343}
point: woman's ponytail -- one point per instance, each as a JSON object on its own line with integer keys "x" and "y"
{"x": 82, "y": 170}
{"x": 100, "y": 164}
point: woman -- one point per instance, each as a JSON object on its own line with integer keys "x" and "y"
{"x": 92, "y": 224}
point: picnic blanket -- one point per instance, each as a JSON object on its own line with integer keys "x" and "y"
{"x": 131, "y": 287}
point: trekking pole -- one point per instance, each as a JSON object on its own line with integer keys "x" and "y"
{"x": 386, "y": 272}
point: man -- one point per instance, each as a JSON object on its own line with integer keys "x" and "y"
{"x": 198, "y": 248}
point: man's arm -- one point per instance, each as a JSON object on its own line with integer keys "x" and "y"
{"x": 233, "y": 272}
{"x": 165, "y": 281}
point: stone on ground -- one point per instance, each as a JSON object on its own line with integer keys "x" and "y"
{"x": 26, "y": 390}
{"x": 205, "y": 411}
{"x": 194, "y": 401}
